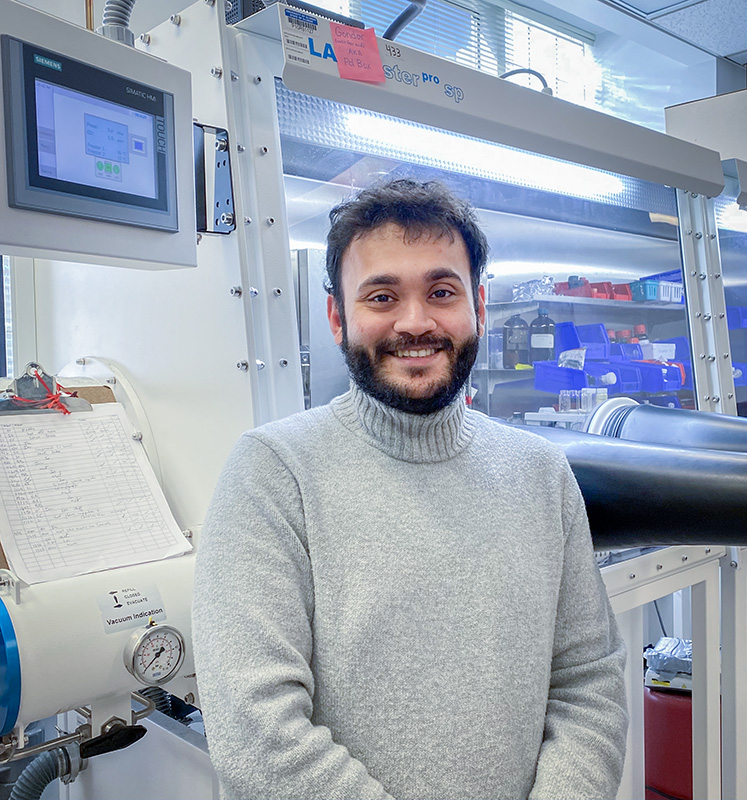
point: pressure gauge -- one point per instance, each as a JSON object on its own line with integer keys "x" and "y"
{"x": 155, "y": 654}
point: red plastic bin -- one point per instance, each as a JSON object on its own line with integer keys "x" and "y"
{"x": 585, "y": 290}
{"x": 601, "y": 290}
{"x": 621, "y": 291}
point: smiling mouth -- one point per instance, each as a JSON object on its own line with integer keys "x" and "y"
{"x": 415, "y": 353}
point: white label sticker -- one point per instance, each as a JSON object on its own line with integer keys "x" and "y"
{"x": 130, "y": 607}
{"x": 542, "y": 340}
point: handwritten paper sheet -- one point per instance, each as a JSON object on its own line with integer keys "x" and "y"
{"x": 77, "y": 495}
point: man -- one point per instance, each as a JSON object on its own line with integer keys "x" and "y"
{"x": 396, "y": 596}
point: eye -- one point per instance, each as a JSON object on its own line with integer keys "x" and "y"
{"x": 442, "y": 293}
{"x": 380, "y": 298}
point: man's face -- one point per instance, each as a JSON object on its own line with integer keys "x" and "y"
{"x": 410, "y": 328}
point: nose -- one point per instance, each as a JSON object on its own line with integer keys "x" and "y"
{"x": 414, "y": 318}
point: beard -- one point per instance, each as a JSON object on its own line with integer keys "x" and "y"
{"x": 368, "y": 372}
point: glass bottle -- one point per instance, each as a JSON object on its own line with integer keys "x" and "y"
{"x": 542, "y": 337}
{"x": 515, "y": 342}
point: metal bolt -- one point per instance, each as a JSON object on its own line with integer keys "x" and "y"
{"x": 226, "y": 218}
{"x": 707, "y": 397}
{"x": 684, "y": 558}
{"x": 234, "y": 76}
{"x": 242, "y": 365}
{"x": 217, "y": 72}
{"x": 258, "y": 79}
{"x": 733, "y": 564}
{"x": 189, "y": 698}
{"x": 187, "y": 534}
{"x": 717, "y": 275}
{"x": 693, "y": 194}
{"x": 145, "y": 38}
{"x": 693, "y": 273}
{"x": 707, "y": 317}
{"x": 711, "y": 358}
{"x": 283, "y": 362}
{"x": 632, "y": 575}
{"x": 698, "y": 314}
{"x": 247, "y": 220}
{"x": 277, "y": 291}
{"x": 199, "y": 238}
{"x": 698, "y": 235}
{"x": 707, "y": 550}
{"x": 721, "y": 316}
{"x": 730, "y": 395}
{"x": 240, "y": 148}
{"x": 111, "y": 381}
{"x": 270, "y": 220}
{"x": 702, "y": 276}
{"x": 175, "y": 19}
{"x": 253, "y": 292}
{"x": 236, "y": 291}
{"x": 137, "y": 436}
{"x": 210, "y": 3}
{"x": 263, "y": 151}
{"x": 726, "y": 355}
{"x": 221, "y": 145}
{"x": 80, "y": 361}
{"x": 689, "y": 233}
{"x": 716, "y": 398}
{"x": 702, "y": 355}
{"x": 712, "y": 236}
{"x": 659, "y": 566}
{"x": 260, "y": 364}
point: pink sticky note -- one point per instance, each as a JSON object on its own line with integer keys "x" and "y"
{"x": 357, "y": 53}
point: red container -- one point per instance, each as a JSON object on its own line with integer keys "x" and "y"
{"x": 669, "y": 748}
{"x": 585, "y": 290}
{"x": 602, "y": 290}
{"x": 621, "y": 291}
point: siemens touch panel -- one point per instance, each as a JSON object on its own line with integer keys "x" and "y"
{"x": 86, "y": 142}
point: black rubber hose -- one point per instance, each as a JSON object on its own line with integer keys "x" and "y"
{"x": 37, "y": 775}
{"x": 640, "y": 495}
{"x": 684, "y": 428}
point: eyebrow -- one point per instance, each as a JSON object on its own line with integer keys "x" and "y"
{"x": 438, "y": 274}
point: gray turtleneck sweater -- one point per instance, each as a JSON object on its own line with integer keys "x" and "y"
{"x": 392, "y": 605}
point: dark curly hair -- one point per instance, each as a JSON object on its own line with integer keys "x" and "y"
{"x": 418, "y": 208}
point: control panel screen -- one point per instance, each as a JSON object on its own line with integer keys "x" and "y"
{"x": 85, "y": 141}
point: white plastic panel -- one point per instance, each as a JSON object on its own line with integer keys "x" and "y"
{"x": 34, "y": 233}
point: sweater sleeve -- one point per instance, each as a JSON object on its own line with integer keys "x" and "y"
{"x": 583, "y": 750}
{"x": 252, "y": 636}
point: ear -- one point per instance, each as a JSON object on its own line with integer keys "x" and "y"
{"x": 333, "y": 315}
{"x": 481, "y": 309}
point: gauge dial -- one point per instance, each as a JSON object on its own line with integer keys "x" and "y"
{"x": 155, "y": 654}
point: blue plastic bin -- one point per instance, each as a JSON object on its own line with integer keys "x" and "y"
{"x": 594, "y": 338}
{"x": 566, "y": 337}
{"x": 628, "y": 376}
{"x": 644, "y": 291}
{"x": 674, "y": 275}
{"x": 549, "y": 377}
{"x": 659, "y": 377}
{"x": 625, "y": 351}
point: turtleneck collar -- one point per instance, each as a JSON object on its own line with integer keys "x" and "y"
{"x": 418, "y": 438}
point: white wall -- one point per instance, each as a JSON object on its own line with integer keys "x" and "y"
{"x": 145, "y": 15}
